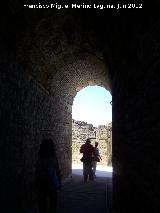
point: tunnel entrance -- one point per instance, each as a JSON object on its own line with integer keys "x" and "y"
{"x": 92, "y": 118}
{"x": 46, "y": 58}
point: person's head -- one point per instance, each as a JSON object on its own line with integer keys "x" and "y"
{"x": 88, "y": 141}
{"x": 96, "y": 144}
{"x": 46, "y": 148}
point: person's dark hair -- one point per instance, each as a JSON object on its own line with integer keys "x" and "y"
{"x": 88, "y": 140}
{"x": 47, "y": 148}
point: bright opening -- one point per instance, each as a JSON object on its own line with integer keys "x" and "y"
{"x": 92, "y": 104}
{"x": 92, "y": 118}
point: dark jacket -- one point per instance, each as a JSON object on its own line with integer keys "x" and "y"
{"x": 43, "y": 165}
{"x": 87, "y": 150}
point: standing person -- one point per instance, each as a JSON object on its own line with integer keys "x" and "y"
{"x": 88, "y": 152}
{"x": 96, "y": 158}
{"x": 48, "y": 179}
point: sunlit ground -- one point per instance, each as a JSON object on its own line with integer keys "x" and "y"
{"x": 102, "y": 171}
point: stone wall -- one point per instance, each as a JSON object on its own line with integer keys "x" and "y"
{"x": 136, "y": 101}
{"x": 36, "y": 91}
{"x": 28, "y": 115}
{"x": 30, "y": 112}
{"x": 103, "y": 135}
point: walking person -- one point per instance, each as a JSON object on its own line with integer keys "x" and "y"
{"x": 88, "y": 152}
{"x": 96, "y": 159}
{"x": 48, "y": 178}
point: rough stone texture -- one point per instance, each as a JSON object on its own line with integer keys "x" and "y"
{"x": 102, "y": 134}
{"x": 37, "y": 92}
{"x": 27, "y": 116}
{"x": 104, "y": 138}
{"x": 135, "y": 145}
{"x": 56, "y": 62}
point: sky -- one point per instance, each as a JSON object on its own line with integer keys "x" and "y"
{"x": 92, "y": 104}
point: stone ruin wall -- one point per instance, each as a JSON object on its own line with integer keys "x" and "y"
{"x": 102, "y": 134}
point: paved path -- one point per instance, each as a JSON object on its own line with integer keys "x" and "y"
{"x": 79, "y": 197}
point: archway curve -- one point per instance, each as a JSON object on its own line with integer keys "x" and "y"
{"x": 89, "y": 71}
{"x": 68, "y": 80}
{"x": 51, "y": 57}
{"x": 62, "y": 69}
{"x": 92, "y": 118}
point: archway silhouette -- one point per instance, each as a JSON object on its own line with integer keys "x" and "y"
{"x": 92, "y": 118}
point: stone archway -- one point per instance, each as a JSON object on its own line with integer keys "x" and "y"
{"x": 55, "y": 69}
{"x": 58, "y": 81}
{"x": 35, "y": 48}
{"x": 61, "y": 69}
{"x": 67, "y": 82}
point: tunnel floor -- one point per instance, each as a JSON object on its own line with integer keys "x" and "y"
{"x": 79, "y": 197}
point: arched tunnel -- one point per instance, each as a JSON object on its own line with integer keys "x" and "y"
{"x": 47, "y": 56}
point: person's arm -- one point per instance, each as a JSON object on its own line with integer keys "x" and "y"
{"x": 93, "y": 152}
{"x": 98, "y": 154}
{"x": 81, "y": 149}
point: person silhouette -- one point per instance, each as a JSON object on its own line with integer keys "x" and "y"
{"x": 48, "y": 177}
{"x": 88, "y": 152}
{"x": 96, "y": 159}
